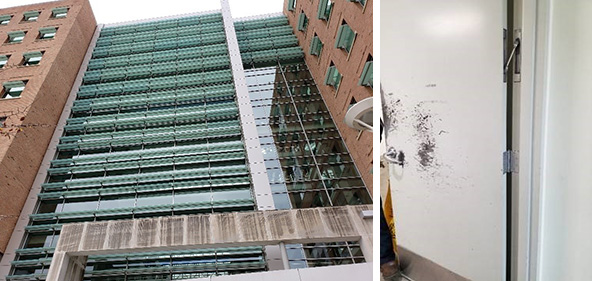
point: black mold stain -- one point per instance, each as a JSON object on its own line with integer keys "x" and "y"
{"x": 424, "y": 133}
{"x": 396, "y": 157}
{"x": 392, "y": 109}
{"x": 401, "y": 158}
{"x": 426, "y": 153}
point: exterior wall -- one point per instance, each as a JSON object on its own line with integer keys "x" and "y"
{"x": 207, "y": 231}
{"x": 358, "y": 272}
{"x": 74, "y": 188}
{"x": 564, "y": 245}
{"x": 41, "y": 103}
{"x": 350, "y": 65}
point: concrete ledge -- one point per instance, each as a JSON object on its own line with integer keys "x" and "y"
{"x": 258, "y": 228}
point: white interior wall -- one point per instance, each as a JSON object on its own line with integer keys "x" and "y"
{"x": 566, "y": 212}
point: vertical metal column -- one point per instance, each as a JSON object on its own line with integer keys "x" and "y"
{"x": 261, "y": 187}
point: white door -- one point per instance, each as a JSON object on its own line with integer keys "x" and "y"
{"x": 445, "y": 108}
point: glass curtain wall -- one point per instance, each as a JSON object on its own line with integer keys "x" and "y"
{"x": 154, "y": 131}
{"x": 307, "y": 162}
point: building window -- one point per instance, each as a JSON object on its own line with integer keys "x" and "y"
{"x": 324, "y": 11}
{"x": 3, "y": 60}
{"x": 345, "y": 37}
{"x": 302, "y": 22}
{"x": 32, "y": 58}
{"x": 362, "y": 2}
{"x": 5, "y": 19}
{"x": 13, "y": 89}
{"x": 31, "y": 16}
{"x": 366, "y": 78}
{"x": 47, "y": 32}
{"x": 16, "y": 36}
{"x": 316, "y": 46}
{"x": 333, "y": 76}
{"x": 291, "y": 5}
{"x": 2, "y": 121}
{"x": 59, "y": 13}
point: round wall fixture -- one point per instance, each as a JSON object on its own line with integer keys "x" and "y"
{"x": 359, "y": 115}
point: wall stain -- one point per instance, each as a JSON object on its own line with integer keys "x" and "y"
{"x": 392, "y": 111}
{"x": 426, "y": 153}
{"x": 425, "y": 135}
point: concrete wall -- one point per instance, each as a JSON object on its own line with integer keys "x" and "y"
{"x": 565, "y": 248}
{"x": 43, "y": 99}
{"x": 358, "y": 272}
{"x": 349, "y": 65}
{"x": 259, "y": 228}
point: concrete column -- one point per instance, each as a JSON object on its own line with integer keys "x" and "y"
{"x": 65, "y": 267}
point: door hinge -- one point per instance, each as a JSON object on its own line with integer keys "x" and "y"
{"x": 510, "y": 164}
{"x": 515, "y": 57}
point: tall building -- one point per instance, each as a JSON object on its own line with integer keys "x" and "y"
{"x": 41, "y": 49}
{"x": 192, "y": 118}
{"x": 336, "y": 37}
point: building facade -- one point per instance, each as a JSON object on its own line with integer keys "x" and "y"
{"x": 336, "y": 37}
{"x": 41, "y": 50}
{"x": 189, "y": 115}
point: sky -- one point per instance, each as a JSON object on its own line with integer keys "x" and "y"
{"x": 113, "y": 11}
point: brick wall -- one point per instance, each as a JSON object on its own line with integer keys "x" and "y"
{"x": 350, "y": 65}
{"x": 43, "y": 99}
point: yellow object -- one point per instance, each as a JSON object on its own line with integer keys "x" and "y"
{"x": 388, "y": 202}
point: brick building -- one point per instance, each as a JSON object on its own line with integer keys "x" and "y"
{"x": 337, "y": 40}
{"x": 41, "y": 49}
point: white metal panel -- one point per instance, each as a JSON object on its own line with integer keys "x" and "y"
{"x": 445, "y": 106}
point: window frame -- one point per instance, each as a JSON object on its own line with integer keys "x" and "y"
{"x": 291, "y": 5}
{"x": 31, "y": 16}
{"x": 56, "y": 13}
{"x": 29, "y": 55}
{"x": 316, "y": 46}
{"x": 16, "y": 34}
{"x": 8, "y": 86}
{"x": 333, "y": 76}
{"x": 50, "y": 30}
{"x": 325, "y": 9}
{"x": 362, "y": 2}
{"x": 367, "y": 75}
{"x": 5, "y": 19}
{"x": 346, "y": 37}
{"x": 2, "y": 65}
{"x": 302, "y": 22}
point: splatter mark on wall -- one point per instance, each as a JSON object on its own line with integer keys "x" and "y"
{"x": 393, "y": 111}
{"x": 426, "y": 153}
{"x": 395, "y": 157}
{"x": 425, "y": 135}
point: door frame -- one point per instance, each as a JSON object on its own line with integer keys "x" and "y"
{"x": 529, "y": 119}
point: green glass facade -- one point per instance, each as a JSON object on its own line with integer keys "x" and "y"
{"x": 155, "y": 130}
